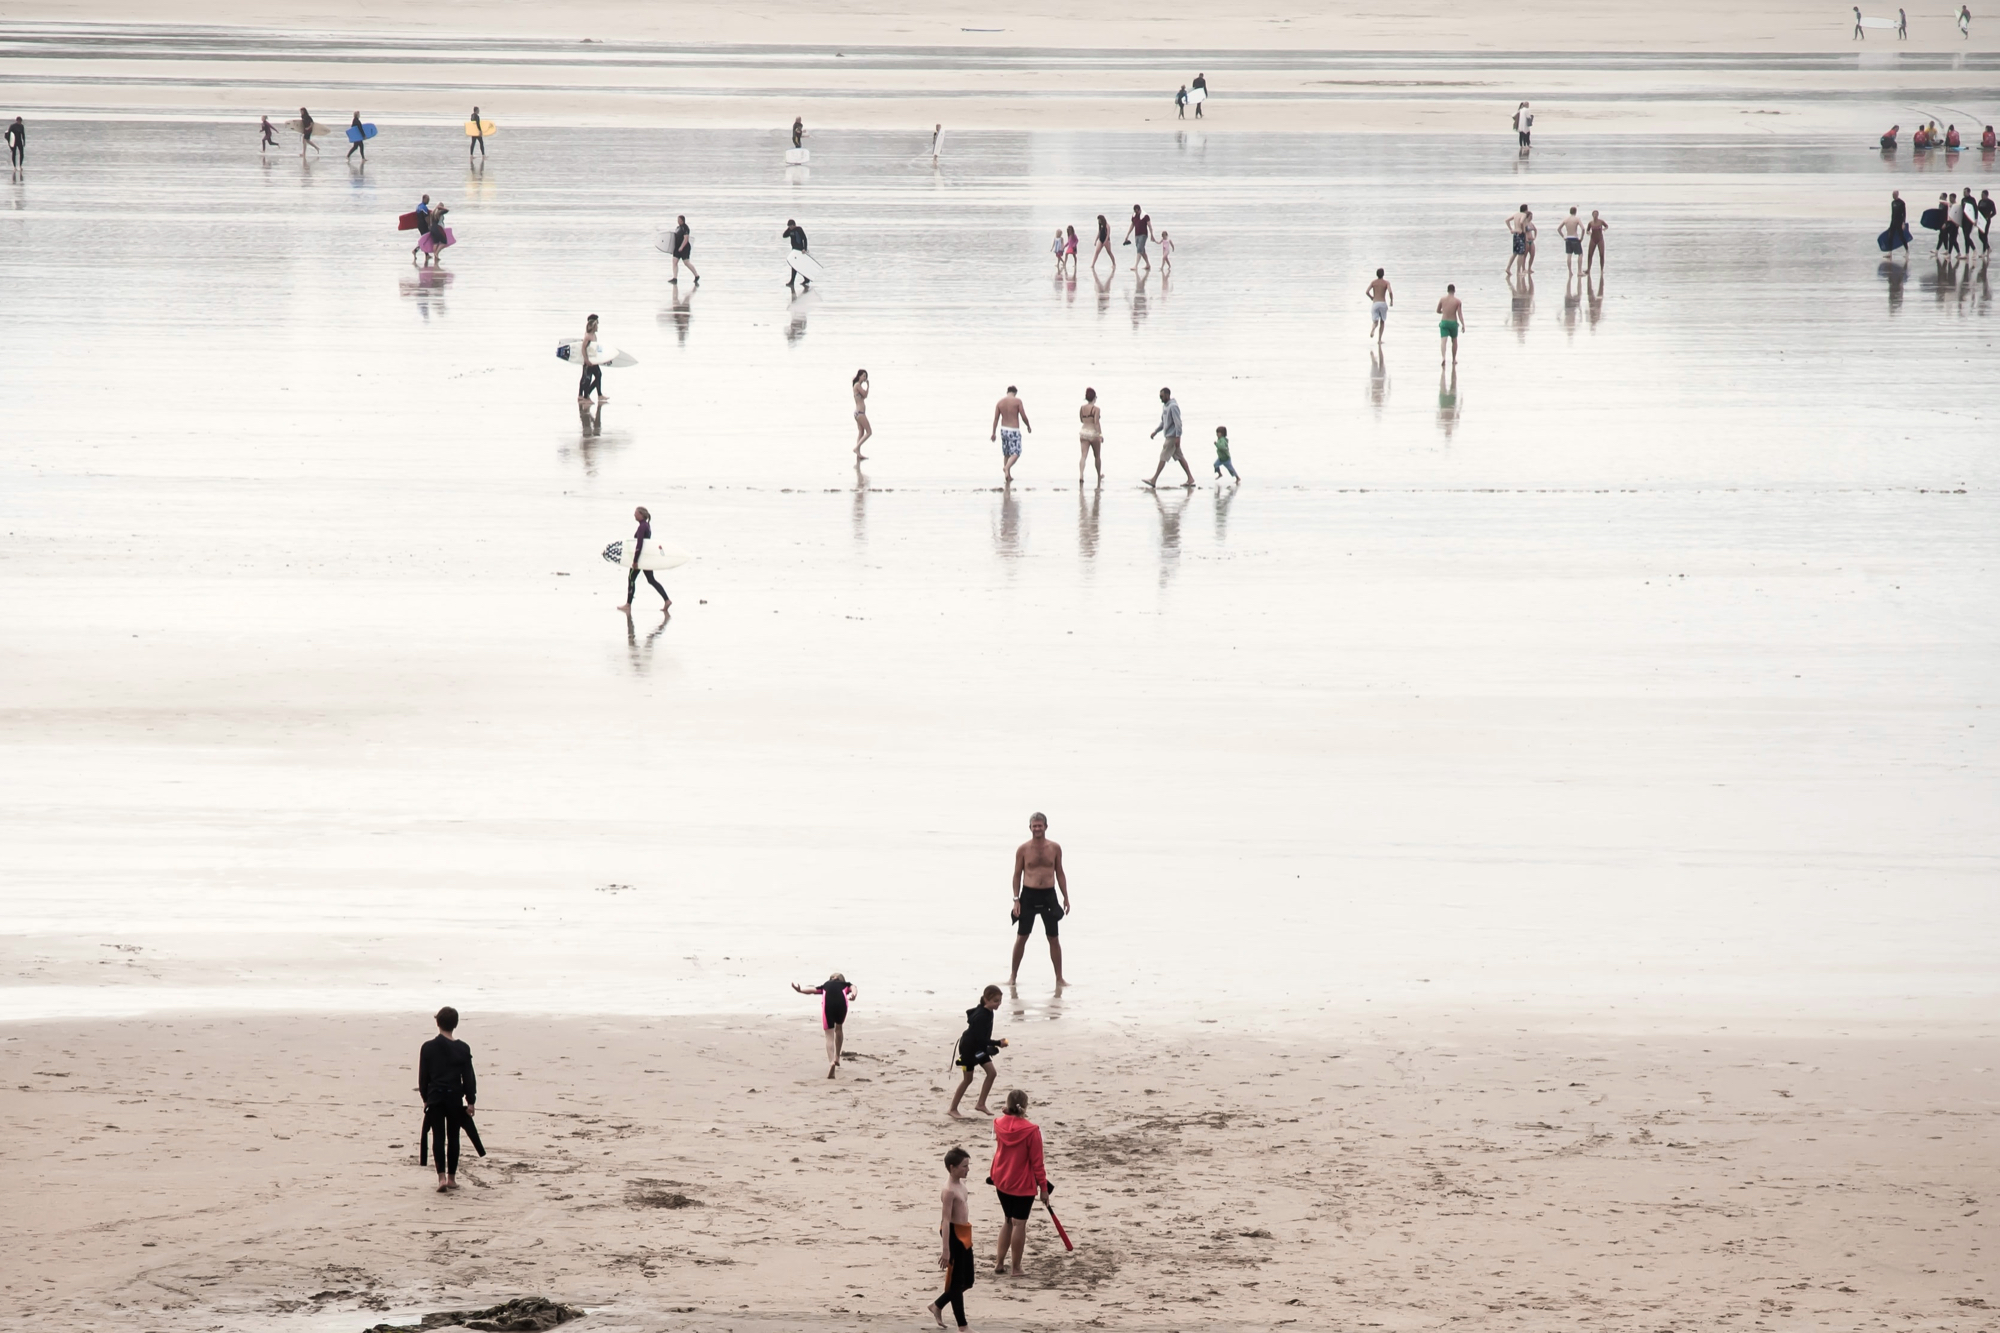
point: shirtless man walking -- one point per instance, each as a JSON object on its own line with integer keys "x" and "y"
{"x": 1038, "y": 873}
{"x": 1380, "y": 297}
{"x": 1517, "y": 230}
{"x": 1451, "y": 319}
{"x": 1010, "y": 418}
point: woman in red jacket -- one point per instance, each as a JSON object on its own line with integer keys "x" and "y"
{"x": 1017, "y": 1176}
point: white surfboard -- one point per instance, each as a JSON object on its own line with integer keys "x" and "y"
{"x": 1878, "y": 23}
{"x": 656, "y": 556}
{"x": 601, "y": 353}
{"x": 807, "y": 266}
{"x": 1196, "y": 96}
{"x": 798, "y": 157}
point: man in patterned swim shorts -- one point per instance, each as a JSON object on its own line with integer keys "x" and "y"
{"x": 1010, "y": 417}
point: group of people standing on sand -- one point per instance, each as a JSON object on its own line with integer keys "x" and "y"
{"x": 1139, "y": 233}
{"x": 1010, "y": 426}
{"x": 1522, "y": 233}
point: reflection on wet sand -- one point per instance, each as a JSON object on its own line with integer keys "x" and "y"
{"x": 1172, "y": 505}
{"x": 1897, "y": 274}
{"x": 1448, "y": 402}
{"x": 1103, "y": 292}
{"x": 592, "y": 445}
{"x": 1225, "y": 496}
{"x": 1007, "y": 526}
{"x": 1593, "y": 293}
{"x": 680, "y": 314}
{"x": 801, "y": 306}
{"x": 1521, "y": 290}
{"x": 1139, "y": 304}
{"x": 859, "y": 516}
{"x": 641, "y": 654}
{"x": 1088, "y": 500}
{"x": 1378, "y": 379}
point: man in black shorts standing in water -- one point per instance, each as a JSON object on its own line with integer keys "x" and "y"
{"x": 1038, "y": 873}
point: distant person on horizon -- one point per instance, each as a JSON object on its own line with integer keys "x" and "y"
{"x": 955, "y": 1231}
{"x": 937, "y": 142}
{"x": 1038, "y": 873}
{"x": 449, "y": 1088}
{"x": 1451, "y": 320}
{"x": 1517, "y": 230}
{"x": 1523, "y": 121}
{"x": 1380, "y": 297}
{"x": 1986, "y": 210}
{"x": 1859, "y": 35}
{"x": 1200, "y": 94}
{"x": 1170, "y": 424}
{"x": 976, "y": 1048}
{"x": 1180, "y": 103}
{"x": 799, "y": 132}
{"x": 1010, "y": 417}
{"x": 1902, "y": 25}
{"x": 478, "y": 137}
{"x": 17, "y": 144}
{"x": 1965, "y": 23}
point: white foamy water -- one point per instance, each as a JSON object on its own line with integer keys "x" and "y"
{"x": 1639, "y": 672}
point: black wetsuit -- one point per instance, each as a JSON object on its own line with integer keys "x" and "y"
{"x": 17, "y": 143}
{"x": 959, "y": 1278}
{"x": 835, "y": 993}
{"x": 797, "y": 236}
{"x": 640, "y": 536}
{"x": 478, "y": 136}
{"x": 798, "y": 135}
{"x": 683, "y": 248}
{"x": 361, "y": 144}
{"x": 1202, "y": 84}
{"x": 1899, "y": 225}
{"x": 977, "y": 1047}
{"x": 447, "y": 1083}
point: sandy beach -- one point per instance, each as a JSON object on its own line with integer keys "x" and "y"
{"x": 241, "y": 1173}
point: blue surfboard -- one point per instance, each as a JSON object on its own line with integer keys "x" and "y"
{"x": 357, "y": 135}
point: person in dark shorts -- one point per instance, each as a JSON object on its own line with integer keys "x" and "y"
{"x": 1017, "y": 1176}
{"x": 1038, "y": 873}
{"x": 446, "y": 1082}
{"x": 835, "y": 995}
{"x": 976, "y": 1047}
{"x": 955, "y": 1230}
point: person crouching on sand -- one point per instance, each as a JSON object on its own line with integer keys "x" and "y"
{"x": 835, "y": 995}
{"x": 976, "y": 1047}
{"x": 955, "y": 1231}
{"x": 1017, "y": 1176}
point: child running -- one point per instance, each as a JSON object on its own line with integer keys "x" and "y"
{"x": 835, "y": 995}
{"x": 1222, "y": 454}
{"x": 975, "y": 1048}
{"x": 955, "y": 1230}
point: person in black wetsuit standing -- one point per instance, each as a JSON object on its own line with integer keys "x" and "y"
{"x": 17, "y": 144}
{"x": 449, "y": 1088}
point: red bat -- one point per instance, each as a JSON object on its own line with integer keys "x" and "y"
{"x": 1067, "y": 1245}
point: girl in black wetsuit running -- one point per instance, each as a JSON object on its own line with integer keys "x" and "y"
{"x": 835, "y": 995}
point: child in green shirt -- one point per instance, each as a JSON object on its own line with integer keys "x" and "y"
{"x": 1222, "y": 453}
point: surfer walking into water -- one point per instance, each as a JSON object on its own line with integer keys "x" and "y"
{"x": 640, "y": 536}
{"x": 835, "y": 995}
{"x": 1380, "y": 297}
{"x": 799, "y": 132}
{"x": 1010, "y": 418}
{"x": 478, "y": 136}
{"x": 862, "y": 430}
{"x": 1899, "y": 224}
{"x": 797, "y": 236}
{"x": 1451, "y": 319}
{"x": 360, "y": 137}
{"x": 1038, "y": 874}
{"x": 306, "y": 132}
{"x": 683, "y": 250}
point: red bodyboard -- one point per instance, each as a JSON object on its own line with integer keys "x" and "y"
{"x": 1059, "y": 1226}
{"x": 407, "y": 222}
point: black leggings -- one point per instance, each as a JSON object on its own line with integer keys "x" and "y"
{"x": 358, "y": 146}
{"x": 443, "y": 1124}
{"x": 958, "y": 1283}
{"x": 632, "y": 585}
{"x": 479, "y": 142}
{"x": 593, "y": 378}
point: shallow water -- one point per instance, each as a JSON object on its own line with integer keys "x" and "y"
{"x": 1637, "y": 672}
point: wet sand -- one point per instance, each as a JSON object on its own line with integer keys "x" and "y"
{"x": 246, "y": 1174}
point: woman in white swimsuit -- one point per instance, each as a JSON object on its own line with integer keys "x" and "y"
{"x": 862, "y": 430}
{"x": 1092, "y": 436}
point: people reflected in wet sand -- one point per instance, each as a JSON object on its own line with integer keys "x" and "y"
{"x": 641, "y": 653}
{"x": 1091, "y": 436}
{"x": 1172, "y": 504}
{"x": 680, "y": 313}
{"x": 1007, "y": 526}
{"x": 1522, "y": 306}
{"x": 1378, "y": 379}
{"x": 1087, "y": 515}
{"x": 1448, "y": 402}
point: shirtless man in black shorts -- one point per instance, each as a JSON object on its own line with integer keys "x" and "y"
{"x": 1038, "y": 873}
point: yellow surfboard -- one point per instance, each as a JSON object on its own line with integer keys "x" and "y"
{"x": 480, "y": 128}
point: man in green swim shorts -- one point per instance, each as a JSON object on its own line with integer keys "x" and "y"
{"x": 1451, "y": 318}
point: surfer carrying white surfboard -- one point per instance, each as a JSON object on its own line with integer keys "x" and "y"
{"x": 306, "y": 132}
{"x": 17, "y": 144}
{"x": 683, "y": 249}
{"x": 640, "y": 536}
{"x": 797, "y": 236}
{"x": 1198, "y": 94}
{"x": 799, "y": 132}
{"x": 593, "y": 375}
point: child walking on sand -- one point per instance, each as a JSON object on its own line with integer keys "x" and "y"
{"x": 1222, "y": 454}
{"x": 955, "y": 1231}
{"x": 977, "y": 1047}
{"x": 835, "y": 995}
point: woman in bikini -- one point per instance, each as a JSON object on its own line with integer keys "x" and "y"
{"x": 862, "y": 430}
{"x": 1092, "y": 436}
{"x": 1103, "y": 245}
